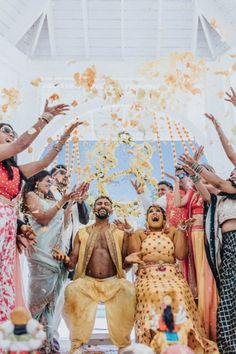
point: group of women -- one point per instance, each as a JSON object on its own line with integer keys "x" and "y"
{"x": 190, "y": 297}
{"x": 46, "y": 218}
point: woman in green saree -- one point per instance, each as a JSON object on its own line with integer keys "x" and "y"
{"x": 46, "y": 275}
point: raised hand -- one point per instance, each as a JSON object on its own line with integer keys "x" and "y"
{"x": 231, "y": 96}
{"x": 138, "y": 186}
{"x": 59, "y": 109}
{"x": 198, "y": 153}
{"x": 67, "y": 197}
{"x": 212, "y": 119}
{"x": 187, "y": 160}
{"x": 72, "y": 126}
{"x": 123, "y": 226}
{"x": 81, "y": 192}
{"x": 66, "y": 135}
{"x": 134, "y": 258}
{"x": 188, "y": 169}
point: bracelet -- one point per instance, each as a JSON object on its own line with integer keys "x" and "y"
{"x": 57, "y": 148}
{"x": 47, "y": 117}
{"x": 58, "y": 205}
{"x": 195, "y": 178}
{"x": 197, "y": 167}
{"x": 182, "y": 228}
{"x": 63, "y": 139}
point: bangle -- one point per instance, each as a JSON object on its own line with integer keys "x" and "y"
{"x": 57, "y": 148}
{"x": 195, "y": 178}
{"x": 63, "y": 139}
{"x": 182, "y": 228}
{"x": 197, "y": 167}
{"x": 58, "y": 205}
{"x": 47, "y": 117}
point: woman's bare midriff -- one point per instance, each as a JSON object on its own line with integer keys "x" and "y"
{"x": 228, "y": 225}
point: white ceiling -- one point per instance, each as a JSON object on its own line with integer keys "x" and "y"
{"x": 118, "y": 29}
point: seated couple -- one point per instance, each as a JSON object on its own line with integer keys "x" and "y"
{"x": 160, "y": 303}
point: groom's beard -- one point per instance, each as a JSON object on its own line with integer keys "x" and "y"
{"x": 102, "y": 214}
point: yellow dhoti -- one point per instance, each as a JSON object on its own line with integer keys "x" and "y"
{"x": 81, "y": 299}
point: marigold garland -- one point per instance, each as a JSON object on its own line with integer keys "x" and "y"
{"x": 171, "y": 140}
{"x": 159, "y": 149}
{"x": 177, "y": 127}
{"x": 189, "y": 140}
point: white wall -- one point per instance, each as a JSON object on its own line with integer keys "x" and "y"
{"x": 16, "y": 70}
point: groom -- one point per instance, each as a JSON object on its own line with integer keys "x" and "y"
{"x": 98, "y": 255}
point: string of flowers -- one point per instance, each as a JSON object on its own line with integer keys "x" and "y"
{"x": 181, "y": 137}
{"x": 78, "y": 160}
{"x": 171, "y": 140}
{"x": 67, "y": 155}
{"x": 189, "y": 140}
{"x": 72, "y": 160}
{"x": 159, "y": 149}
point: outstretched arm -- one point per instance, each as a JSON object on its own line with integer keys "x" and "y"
{"x": 36, "y": 209}
{"x": 197, "y": 183}
{"x": 228, "y": 148}
{"x": 8, "y": 150}
{"x": 212, "y": 178}
{"x": 32, "y": 168}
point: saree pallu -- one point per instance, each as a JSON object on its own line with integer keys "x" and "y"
{"x": 206, "y": 285}
{"x": 45, "y": 284}
{"x": 11, "y": 291}
{"x": 46, "y": 275}
{"x": 226, "y": 316}
{"x": 152, "y": 284}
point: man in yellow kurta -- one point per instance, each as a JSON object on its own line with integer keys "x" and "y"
{"x": 98, "y": 255}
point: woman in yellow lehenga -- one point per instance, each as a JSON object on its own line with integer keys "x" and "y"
{"x": 159, "y": 282}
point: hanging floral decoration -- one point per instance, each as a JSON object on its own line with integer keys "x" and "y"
{"x": 171, "y": 140}
{"x": 103, "y": 157}
{"x": 178, "y": 129}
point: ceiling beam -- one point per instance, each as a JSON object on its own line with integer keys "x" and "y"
{"x": 195, "y": 27}
{"x": 26, "y": 19}
{"x": 51, "y": 32}
{"x": 159, "y": 28}
{"x": 226, "y": 28}
{"x": 122, "y": 9}
{"x": 36, "y": 35}
{"x": 208, "y": 37}
{"x": 85, "y": 27}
